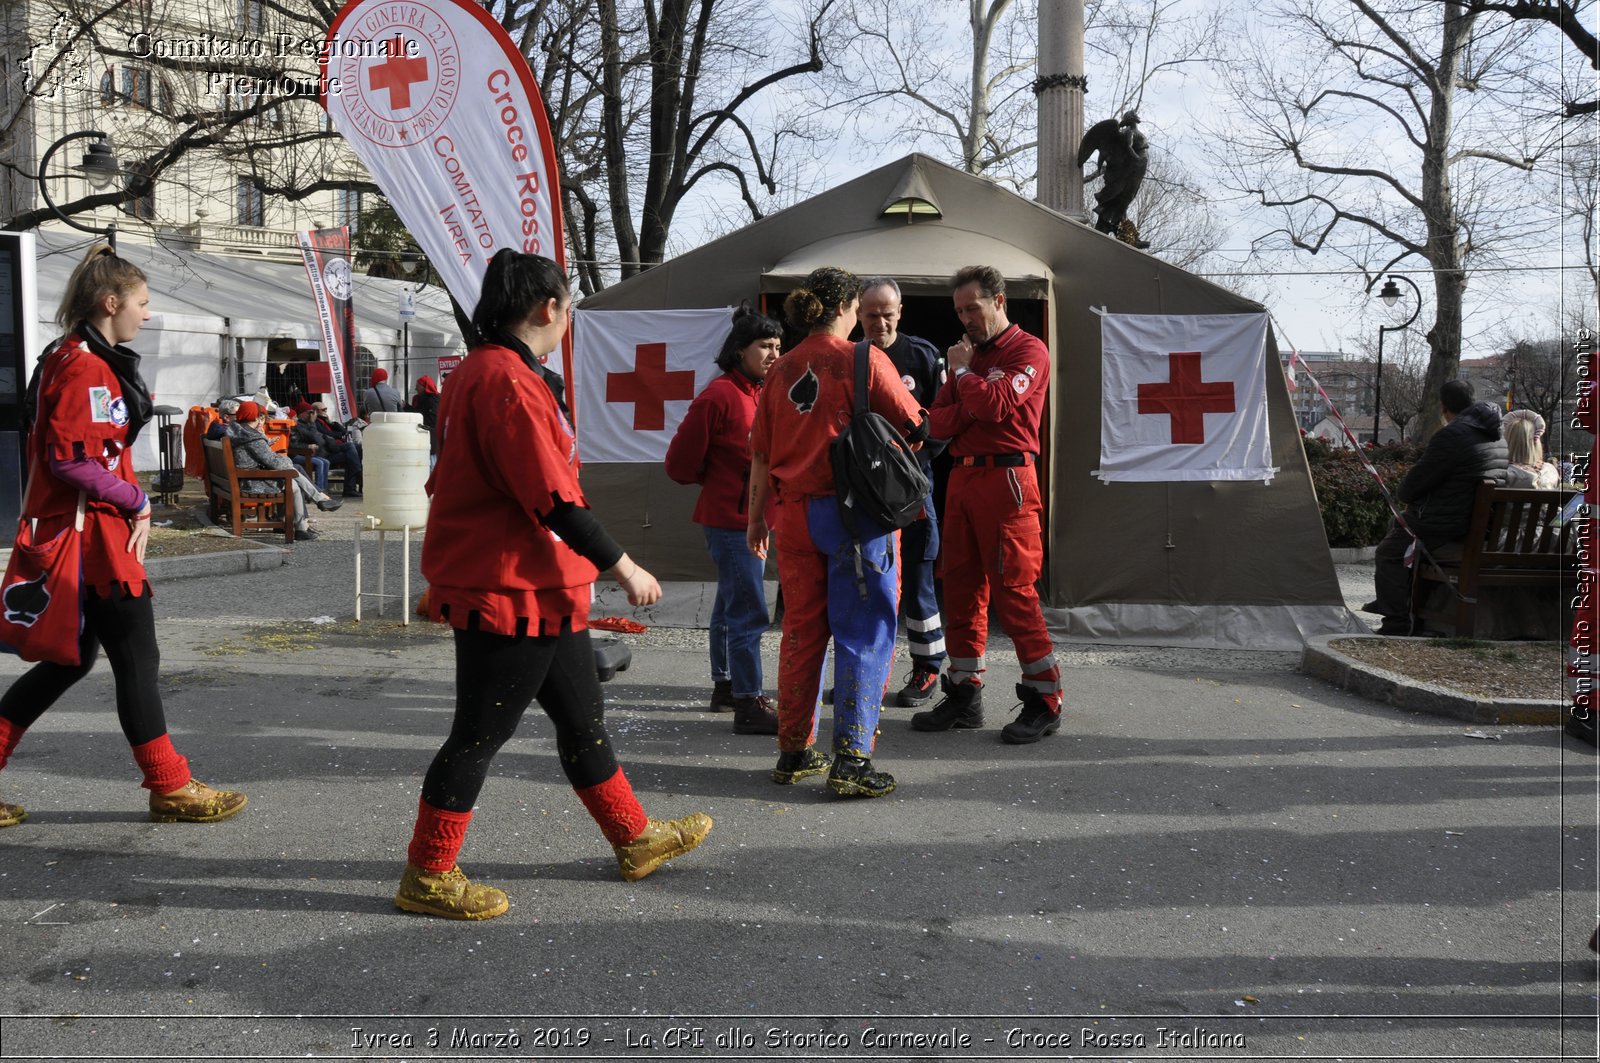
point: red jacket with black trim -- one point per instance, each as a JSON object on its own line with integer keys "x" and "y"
{"x": 997, "y": 407}
{"x": 712, "y": 448}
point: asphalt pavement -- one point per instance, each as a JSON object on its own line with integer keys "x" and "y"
{"x": 1218, "y": 857}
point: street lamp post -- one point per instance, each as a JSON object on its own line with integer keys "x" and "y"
{"x": 409, "y": 264}
{"x": 1390, "y": 295}
{"x": 99, "y": 165}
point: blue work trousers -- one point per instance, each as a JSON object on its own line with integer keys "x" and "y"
{"x": 823, "y": 599}
{"x": 919, "y": 600}
{"x": 739, "y": 613}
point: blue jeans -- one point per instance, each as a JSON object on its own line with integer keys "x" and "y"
{"x": 739, "y": 614}
{"x": 318, "y": 471}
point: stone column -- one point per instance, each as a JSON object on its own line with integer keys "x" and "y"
{"x": 1060, "y": 87}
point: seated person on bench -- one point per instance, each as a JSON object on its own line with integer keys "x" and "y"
{"x": 340, "y": 448}
{"x": 306, "y": 434}
{"x": 227, "y": 420}
{"x": 1438, "y": 493}
{"x": 251, "y": 450}
{"x": 1524, "y": 435}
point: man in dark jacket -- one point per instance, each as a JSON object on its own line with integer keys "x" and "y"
{"x": 1438, "y": 493}
{"x": 339, "y": 449}
{"x": 921, "y": 368}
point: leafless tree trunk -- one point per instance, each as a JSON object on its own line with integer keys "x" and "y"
{"x": 1404, "y": 388}
{"x": 257, "y": 116}
{"x": 895, "y": 74}
{"x": 1380, "y": 135}
{"x": 648, "y": 100}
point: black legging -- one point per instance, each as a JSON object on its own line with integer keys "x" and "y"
{"x": 126, "y": 627}
{"x": 497, "y": 677}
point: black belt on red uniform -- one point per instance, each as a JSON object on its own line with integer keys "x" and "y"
{"x": 1000, "y": 461}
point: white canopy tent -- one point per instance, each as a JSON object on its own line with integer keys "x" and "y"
{"x": 213, "y": 317}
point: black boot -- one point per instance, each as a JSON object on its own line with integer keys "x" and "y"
{"x": 855, "y": 777}
{"x": 721, "y": 695}
{"x": 961, "y": 706}
{"x": 1036, "y": 719}
{"x": 755, "y": 716}
{"x": 792, "y": 767}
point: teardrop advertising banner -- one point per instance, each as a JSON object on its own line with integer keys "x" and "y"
{"x": 327, "y": 257}
{"x": 438, "y": 103}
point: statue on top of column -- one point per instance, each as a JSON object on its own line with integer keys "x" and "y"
{"x": 1124, "y": 156}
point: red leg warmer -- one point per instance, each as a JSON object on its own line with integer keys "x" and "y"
{"x": 165, "y": 769}
{"x": 614, "y": 807}
{"x": 10, "y": 735}
{"x": 437, "y": 837}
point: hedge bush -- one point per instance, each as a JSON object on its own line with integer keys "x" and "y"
{"x": 1353, "y": 510}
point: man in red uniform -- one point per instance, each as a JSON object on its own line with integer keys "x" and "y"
{"x": 989, "y": 409}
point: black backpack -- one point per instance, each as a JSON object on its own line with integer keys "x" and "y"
{"x": 879, "y": 481}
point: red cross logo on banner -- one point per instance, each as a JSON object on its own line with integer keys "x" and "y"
{"x": 1186, "y": 398}
{"x": 398, "y": 74}
{"x": 650, "y": 387}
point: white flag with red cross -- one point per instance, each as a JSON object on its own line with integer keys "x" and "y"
{"x": 1184, "y": 398}
{"x": 634, "y": 373}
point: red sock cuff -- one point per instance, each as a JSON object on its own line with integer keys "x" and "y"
{"x": 615, "y": 808}
{"x": 10, "y": 735}
{"x": 437, "y": 838}
{"x": 165, "y": 769}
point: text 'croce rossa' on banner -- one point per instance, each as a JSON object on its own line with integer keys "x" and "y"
{"x": 326, "y": 253}
{"x": 440, "y": 106}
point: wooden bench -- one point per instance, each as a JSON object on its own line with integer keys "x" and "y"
{"x": 1512, "y": 541}
{"x": 274, "y": 512}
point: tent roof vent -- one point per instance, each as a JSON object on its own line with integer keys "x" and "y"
{"x": 912, "y": 196}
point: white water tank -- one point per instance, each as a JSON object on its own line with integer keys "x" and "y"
{"x": 394, "y": 465}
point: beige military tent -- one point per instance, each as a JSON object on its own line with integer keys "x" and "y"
{"x": 1209, "y": 563}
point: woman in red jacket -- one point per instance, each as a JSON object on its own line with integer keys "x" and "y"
{"x": 808, "y": 398}
{"x": 510, "y": 555}
{"x": 712, "y": 448}
{"x": 92, "y": 405}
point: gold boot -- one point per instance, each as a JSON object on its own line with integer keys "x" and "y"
{"x": 660, "y": 842}
{"x": 11, "y": 815}
{"x": 196, "y": 803}
{"x": 448, "y": 894}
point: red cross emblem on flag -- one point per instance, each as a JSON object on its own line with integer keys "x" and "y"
{"x": 1186, "y": 398}
{"x": 650, "y": 386}
{"x": 397, "y": 74}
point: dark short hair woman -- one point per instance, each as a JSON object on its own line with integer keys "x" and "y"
{"x": 510, "y": 555}
{"x": 712, "y": 448}
{"x": 92, "y": 405}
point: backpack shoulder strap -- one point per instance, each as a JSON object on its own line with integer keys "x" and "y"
{"x": 863, "y": 353}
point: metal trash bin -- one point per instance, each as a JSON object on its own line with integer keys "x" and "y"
{"x": 169, "y": 481}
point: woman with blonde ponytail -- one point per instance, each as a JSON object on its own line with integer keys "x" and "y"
{"x": 92, "y": 404}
